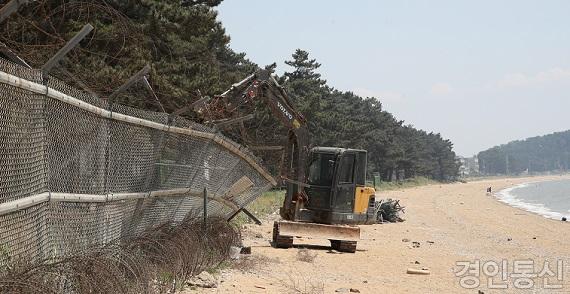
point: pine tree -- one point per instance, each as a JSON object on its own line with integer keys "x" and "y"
{"x": 188, "y": 50}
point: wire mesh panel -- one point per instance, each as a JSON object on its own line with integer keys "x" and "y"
{"x": 24, "y": 235}
{"x": 78, "y": 172}
{"x": 133, "y": 152}
{"x": 76, "y": 148}
{"x": 22, "y": 155}
{"x": 182, "y": 162}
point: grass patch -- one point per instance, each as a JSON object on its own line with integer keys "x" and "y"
{"x": 219, "y": 267}
{"x": 264, "y": 205}
{"x": 408, "y": 183}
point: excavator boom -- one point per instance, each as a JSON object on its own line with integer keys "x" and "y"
{"x": 261, "y": 85}
{"x": 334, "y": 197}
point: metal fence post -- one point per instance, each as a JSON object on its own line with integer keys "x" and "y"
{"x": 10, "y": 8}
{"x": 205, "y": 213}
{"x": 54, "y": 60}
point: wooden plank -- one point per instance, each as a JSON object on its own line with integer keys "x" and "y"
{"x": 239, "y": 187}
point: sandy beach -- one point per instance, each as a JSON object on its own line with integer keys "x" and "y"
{"x": 454, "y": 225}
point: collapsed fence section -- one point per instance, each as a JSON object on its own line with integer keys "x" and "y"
{"x": 78, "y": 172}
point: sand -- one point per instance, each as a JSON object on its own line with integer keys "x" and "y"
{"x": 452, "y": 223}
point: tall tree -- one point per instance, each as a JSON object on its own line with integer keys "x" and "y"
{"x": 537, "y": 154}
{"x": 188, "y": 50}
{"x": 343, "y": 119}
{"x": 185, "y": 44}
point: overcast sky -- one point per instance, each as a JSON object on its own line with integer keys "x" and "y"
{"x": 479, "y": 72}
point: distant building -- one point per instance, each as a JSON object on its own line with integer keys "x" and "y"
{"x": 469, "y": 166}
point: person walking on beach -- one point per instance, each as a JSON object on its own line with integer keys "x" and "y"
{"x": 489, "y": 191}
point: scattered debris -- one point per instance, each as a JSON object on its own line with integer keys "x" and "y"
{"x": 388, "y": 210}
{"x": 245, "y": 250}
{"x": 509, "y": 239}
{"x": 203, "y": 280}
{"x": 416, "y": 244}
{"x": 259, "y": 287}
{"x": 259, "y": 235}
{"x": 563, "y": 218}
{"x": 416, "y": 262}
{"x": 534, "y": 238}
{"x": 234, "y": 252}
{"x": 413, "y": 271}
{"x": 430, "y": 242}
{"x": 347, "y": 290}
{"x": 405, "y": 240}
{"x": 365, "y": 282}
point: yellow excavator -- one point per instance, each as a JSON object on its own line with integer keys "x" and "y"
{"x": 326, "y": 195}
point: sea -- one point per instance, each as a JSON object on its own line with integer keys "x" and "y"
{"x": 550, "y": 199}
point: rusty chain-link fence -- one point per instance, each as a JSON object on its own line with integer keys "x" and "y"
{"x": 77, "y": 172}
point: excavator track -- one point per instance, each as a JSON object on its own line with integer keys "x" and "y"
{"x": 344, "y": 246}
{"x": 280, "y": 241}
{"x": 344, "y": 236}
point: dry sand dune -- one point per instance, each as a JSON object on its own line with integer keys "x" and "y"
{"x": 452, "y": 223}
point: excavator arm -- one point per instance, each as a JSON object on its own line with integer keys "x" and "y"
{"x": 261, "y": 85}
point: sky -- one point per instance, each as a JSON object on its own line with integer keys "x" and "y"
{"x": 481, "y": 73}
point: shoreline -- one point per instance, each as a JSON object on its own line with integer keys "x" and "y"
{"x": 445, "y": 225}
{"x": 506, "y": 197}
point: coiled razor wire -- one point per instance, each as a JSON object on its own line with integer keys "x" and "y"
{"x": 77, "y": 173}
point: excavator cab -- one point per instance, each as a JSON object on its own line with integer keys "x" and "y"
{"x": 336, "y": 188}
{"x": 332, "y": 200}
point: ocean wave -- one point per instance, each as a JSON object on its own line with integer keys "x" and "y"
{"x": 507, "y": 196}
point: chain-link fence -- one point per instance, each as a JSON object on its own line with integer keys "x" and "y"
{"x": 76, "y": 171}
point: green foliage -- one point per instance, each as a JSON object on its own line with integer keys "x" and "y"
{"x": 407, "y": 183}
{"x": 533, "y": 155}
{"x": 262, "y": 206}
{"x": 183, "y": 41}
{"x": 188, "y": 50}
{"x": 343, "y": 119}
